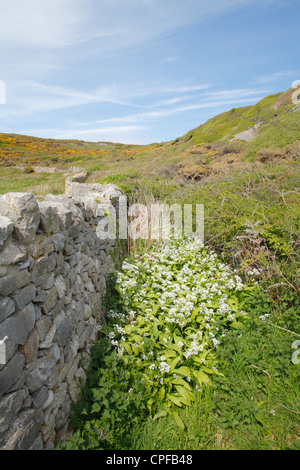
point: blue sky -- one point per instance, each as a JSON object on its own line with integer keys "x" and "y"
{"x": 139, "y": 71}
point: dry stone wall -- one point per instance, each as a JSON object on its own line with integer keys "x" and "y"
{"x": 53, "y": 269}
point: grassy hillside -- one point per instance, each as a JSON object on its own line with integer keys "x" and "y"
{"x": 243, "y": 165}
{"x": 237, "y": 140}
{"x": 248, "y": 182}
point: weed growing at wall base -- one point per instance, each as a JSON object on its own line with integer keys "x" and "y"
{"x": 175, "y": 306}
{"x": 167, "y": 314}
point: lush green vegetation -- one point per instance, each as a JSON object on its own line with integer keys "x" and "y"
{"x": 246, "y": 395}
{"x": 190, "y": 371}
{"x": 283, "y": 131}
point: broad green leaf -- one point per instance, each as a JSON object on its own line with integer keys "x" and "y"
{"x": 211, "y": 371}
{"x": 199, "y": 319}
{"x": 128, "y": 329}
{"x": 169, "y": 354}
{"x": 177, "y": 339}
{"x": 174, "y": 399}
{"x": 150, "y": 403}
{"x": 155, "y": 331}
{"x": 135, "y": 350}
{"x": 186, "y": 396}
{"x": 183, "y": 370}
{"x": 160, "y": 414}
{"x": 127, "y": 347}
{"x": 95, "y": 408}
{"x": 177, "y": 348}
{"x": 202, "y": 377}
{"x": 161, "y": 393}
{"x": 178, "y": 420}
{"x": 194, "y": 313}
{"x": 233, "y": 304}
{"x": 151, "y": 295}
{"x": 214, "y": 305}
{"x": 175, "y": 362}
{"x": 202, "y": 356}
{"x": 259, "y": 420}
{"x": 136, "y": 337}
{"x": 181, "y": 382}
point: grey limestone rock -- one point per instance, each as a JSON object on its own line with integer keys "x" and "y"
{"x": 13, "y": 281}
{"x": 24, "y": 296}
{"x": 10, "y": 405}
{"x": 10, "y": 373}
{"x": 40, "y": 397}
{"x": 12, "y": 254}
{"x": 18, "y": 325}
{"x": 6, "y": 229}
{"x": 7, "y": 307}
{"x": 23, "y": 210}
{"x": 39, "y": 376}
{"x": 24, "y": 430}
{"x": 49, "y": 218}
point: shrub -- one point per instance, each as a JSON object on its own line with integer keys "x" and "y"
{"x": 28, "y": 169}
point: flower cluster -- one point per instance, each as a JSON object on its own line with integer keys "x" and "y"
{"x": 176, "y": 305}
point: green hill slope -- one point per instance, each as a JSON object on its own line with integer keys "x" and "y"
{"x": 230, "y": 124}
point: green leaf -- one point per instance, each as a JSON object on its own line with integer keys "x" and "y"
{"x": 199, "y": 319}
{"x": 175, "y": 362}
{"x": 194, "y": 313}
{"x": 185, "y": 396}
{"x": 177, "y": 339}
{"x": 178, "y": 420}
{"x": 136, "y": 337}
{"x": 261, "y": 403}
{"x": 95, "y": 408}
{"x": 155, "y": 331}
{"x": 161, "y": 393}
{"x": 150, "y": 403}
{"x": 127, "y": 347}
{"x": 234, "y": 304}
{"x": 212, "y": 371}
{"x": 259, "y": 420}
{"x": 202, "y": 377}
{"x": 185, "y": 371}
{"x": 160, "y": 414}
{"x": 174, "y": 399}
{"x": 135, "y": 350}
{"x": 182, "y": 382}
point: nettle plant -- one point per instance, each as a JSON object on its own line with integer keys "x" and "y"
{"x": 174, "y": 306}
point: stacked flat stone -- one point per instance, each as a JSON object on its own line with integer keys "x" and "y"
{"x": 53, "y": 270}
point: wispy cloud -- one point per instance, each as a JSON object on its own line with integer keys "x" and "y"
{"x": 170, "y": 59}
{"x": 275, "y": 77}
{"x": 141, "y": 120}
{"x": 56, "y": 23}
{"x": 118, "y": 133}
{"x": 130, "y": 127}
{"x": 35, "y": 97}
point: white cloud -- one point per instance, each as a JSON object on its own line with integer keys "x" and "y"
{"x": 39, "y": 23}
{"x": 275, "y": 77}
{"x": 116, "y": 23}
{"x": 120, "y": 134}
{"x": 237, "y": 98}
{"x": 235, "y": 94}
{"x": 170, "y": 59}
{"x": 27, "y": 98}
